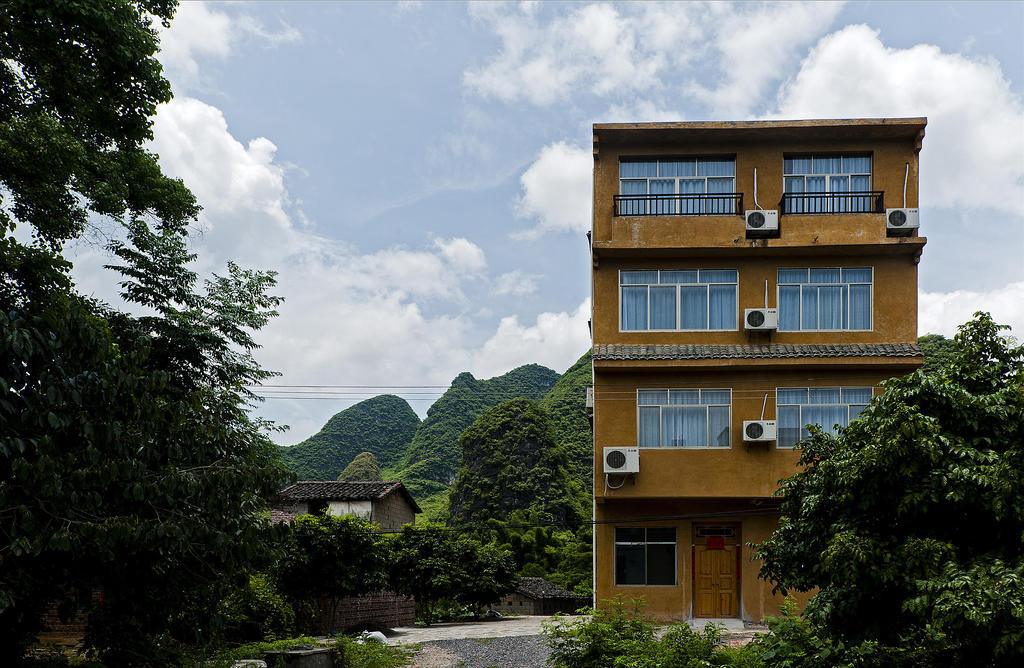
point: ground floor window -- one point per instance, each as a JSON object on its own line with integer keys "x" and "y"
{"x": 645, "y": 556}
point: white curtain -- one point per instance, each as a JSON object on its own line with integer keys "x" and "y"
{"x": 648, "y": 418}
{"x": 830, "y": 306}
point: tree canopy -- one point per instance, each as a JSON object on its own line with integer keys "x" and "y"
{"x": 910, "y": 521}
{"x": 128, "y": 459}
{"x": 362, "y": 467}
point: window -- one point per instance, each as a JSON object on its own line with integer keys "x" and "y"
{"x": 797, "y": 407}
{"x": 645, "y": 556}
{"x": 824, "y": 181}
{"x": 684, "y": 186}
{"x": 694, "y": 299}
{"x": 683, "y": 418}
{"x": 829, "y": 299}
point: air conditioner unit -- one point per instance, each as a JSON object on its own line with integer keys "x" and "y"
{"x": 758, "y": 430}
{"x": 900, "y": 222}
{"x": 761, "y": 222}
{"x": 761, "y": 319}
{"x": 621, "y": 460}
{"x": 590, "y": 397}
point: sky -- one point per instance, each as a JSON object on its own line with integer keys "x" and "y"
{"x": 419, "y": 174}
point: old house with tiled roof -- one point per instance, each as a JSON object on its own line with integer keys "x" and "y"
{"x": 537, "y": 596}
{"x": 387, "y": 504}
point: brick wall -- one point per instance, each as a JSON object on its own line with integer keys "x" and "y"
{"x": 392, "y": 512}
{"x": 67, "y": 632}
{"x": 373, "y": 611}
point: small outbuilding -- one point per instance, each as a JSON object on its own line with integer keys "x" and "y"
{"x": 537, "y": 596}
{"x": 388, "y": 504}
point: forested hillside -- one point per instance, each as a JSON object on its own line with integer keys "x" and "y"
{"x": 566, "y": 405}
{"x": 431, "y": 461}
{"x": 383, "y": 426}
{"x": 513, "y": 468}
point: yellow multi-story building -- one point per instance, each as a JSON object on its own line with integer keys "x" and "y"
{"x": 748, "y": 279}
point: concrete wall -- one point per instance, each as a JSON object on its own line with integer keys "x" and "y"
{"x": 674, "y": 603}
{"x": 358, "y": 508}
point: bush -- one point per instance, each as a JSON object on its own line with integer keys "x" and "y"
{"x": 610, "y": 636}
{"x": 349, "y": 653}
{"x": 257, "y": 612}
{"x": 256, "y": 650}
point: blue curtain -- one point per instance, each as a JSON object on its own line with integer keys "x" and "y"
{"x": 860, "y": 307}
{"x": 796, "y": 165}
{"x": 638, "y": 277}
{"x": 633, "y": 207}
{"x": 679, "y": 277}
{"x": 789, "y": 307}
{"x": 718, "y": 426}
{"x": 684, "y": 397}
{"x": 693, "y": 307}
{"x": 809, "y": 307}
{"x": 791, "y": 395}
{"x": 663, "y": 308}
{"x": 677, "y": 168}
{"x": 723, "y": 307}
{"x": 647, "y": 428}
{"x": 652, "y": 397}
{"x": 718, "y": 275}
{"x": 690, "y": 187}
{"x": 788, "y": 423}
{"x": 856, "y": 395}
{"x": 856, "y": 164}
{"x": 637, "y": 168}
{"x": 663, "y": 187}
{"x": 827, "y": 275}
{"x": 792, "y": 276}
{"x": 634, "y": 308}
{"x": 857, "y": 275}
{"x": 716, "y": 168}
{"x": 823, "y": 395}
{"x": 830, "y": 307}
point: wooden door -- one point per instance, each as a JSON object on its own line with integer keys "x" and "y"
{"x": 715, "y": 582}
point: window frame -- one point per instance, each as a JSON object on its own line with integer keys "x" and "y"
{"x": 678, "y": 300}
{"x": 707, "y": 420}
{"x": 646, "y": 542}
{"x": 672, "y": 207}
{"x": 871, "y": 298}
{"x": 828, "y": 178}
{"x": 840, "y": 388}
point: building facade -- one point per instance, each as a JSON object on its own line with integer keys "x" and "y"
{"x": 387, "y": 504}
{"x": 678, "y": 369}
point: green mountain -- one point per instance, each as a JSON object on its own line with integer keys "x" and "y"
{"x": 432, "y": 459}
{"x": 363, "y": 467}
{"x": 383, "y": 426}
{"x": 566, "y": 404}
{"x": 513, "y": 469}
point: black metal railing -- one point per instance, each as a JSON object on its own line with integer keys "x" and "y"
{"x": 868, "y": 201}
{"x": 705, "y": 204}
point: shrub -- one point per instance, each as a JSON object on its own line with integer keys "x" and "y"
{"x": 610, "y": 636}
{"x": 350, "y": 653}
{"x": 257, "y": 612}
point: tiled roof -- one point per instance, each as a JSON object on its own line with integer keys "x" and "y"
{"x": 344, "y": 490}
{"x": 769, "y": 351}
{"x": 541, "y": 588}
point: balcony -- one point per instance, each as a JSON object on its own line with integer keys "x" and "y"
{"x": 809, "y": 204}
{"x": 704, "y": 204}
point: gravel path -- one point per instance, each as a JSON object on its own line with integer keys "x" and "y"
{"x": 508, "y": 652}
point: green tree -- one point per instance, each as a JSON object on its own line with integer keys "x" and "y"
{"x": 128, "y": 459}
{"x": 938, "y": 351}
{"x": 332, "y": 556}
{"x": 910, "y": 521}
{"x": 490, "y": 573}
{"x": 363, "y": 467}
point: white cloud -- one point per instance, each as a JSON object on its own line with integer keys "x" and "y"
{"x": 556, "y": 190}
{"x": 635, "y": 50}
{"x": 198, "y": 31}
{"x": 973, "y": 153}
{"x": 462, "y": 254}
{"x": 943, "y": 312}
{"x": 516, "y": 283}
{"x": 555, "y": 340}
{"x": 752, "y": 47}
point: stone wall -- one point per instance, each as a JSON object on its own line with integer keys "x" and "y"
{"x": 382, "y": 610}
